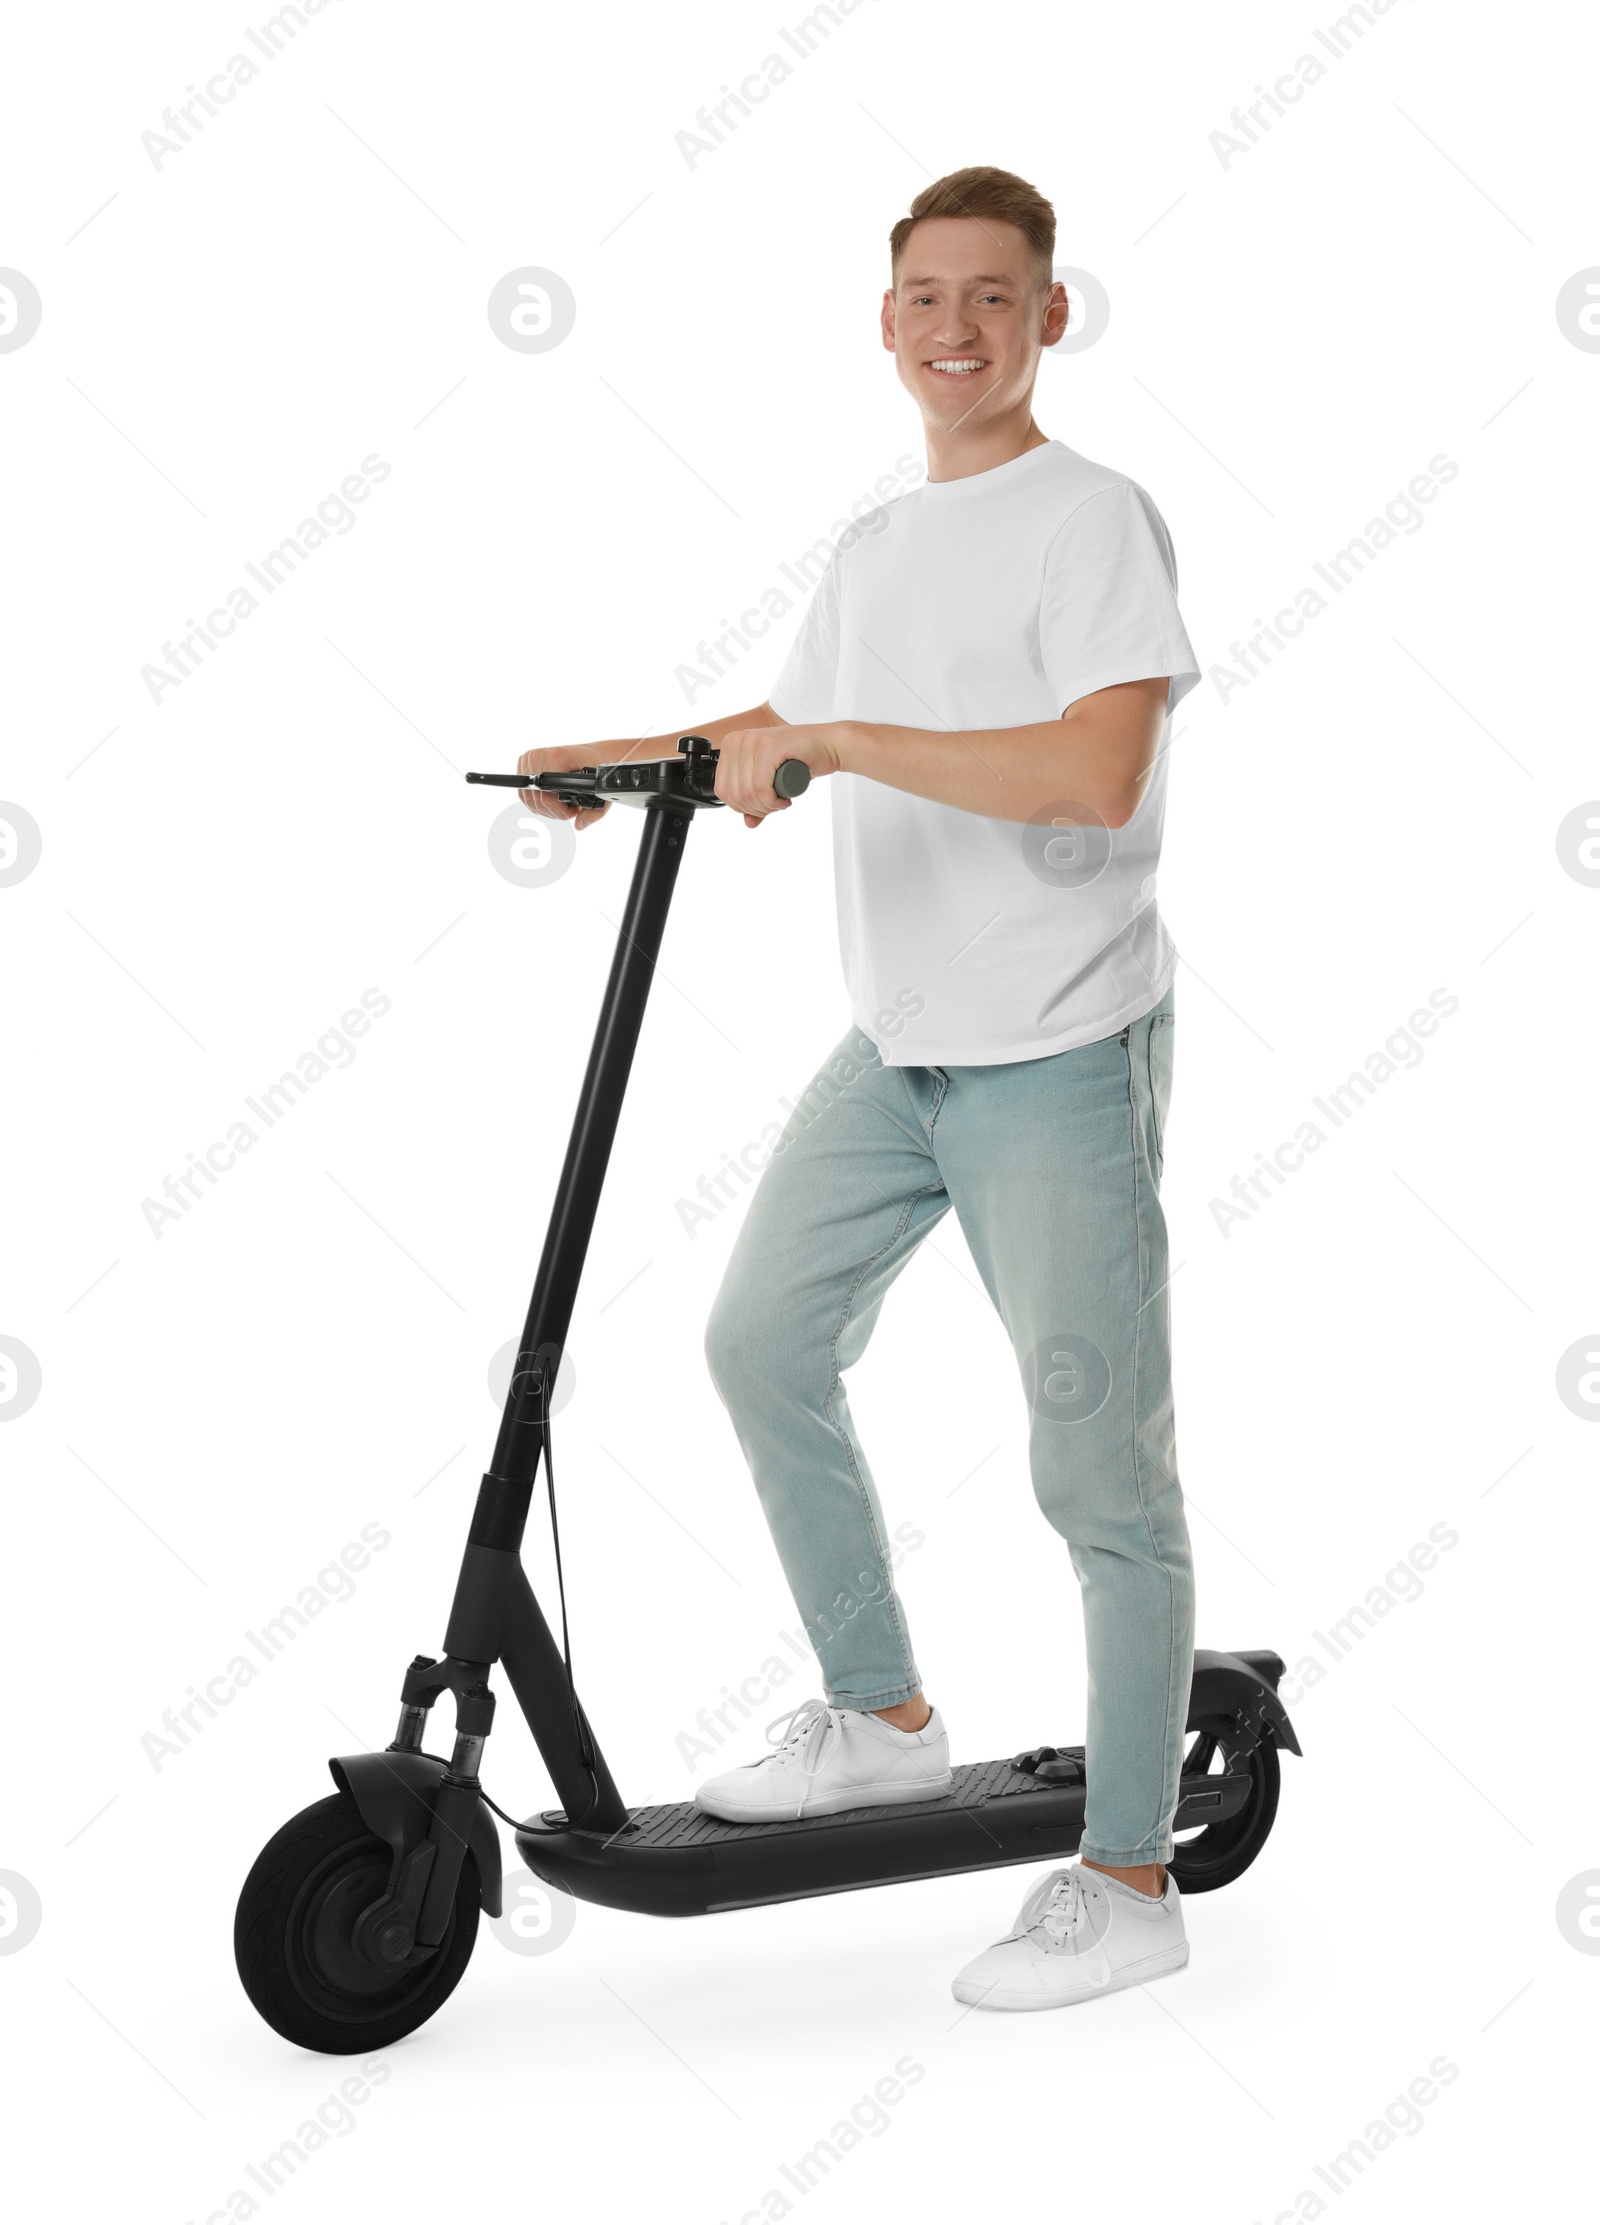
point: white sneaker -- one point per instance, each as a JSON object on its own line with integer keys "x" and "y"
{"x": 1079, "y": 1933}
{"x": 829, "y": 1759}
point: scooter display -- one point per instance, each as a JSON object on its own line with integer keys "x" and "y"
{"x": 359, "y": 1916}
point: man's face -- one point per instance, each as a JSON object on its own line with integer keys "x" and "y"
{"x": 966, "y": 318}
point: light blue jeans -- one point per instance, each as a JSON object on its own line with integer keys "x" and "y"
{"x": 1053, "y": 1167}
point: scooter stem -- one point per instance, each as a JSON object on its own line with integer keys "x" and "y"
{"x": 494, "y": 1616}
{"x": 508, "y": 1487}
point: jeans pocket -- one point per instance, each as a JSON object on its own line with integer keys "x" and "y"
{"x": 1158, "y": 1068}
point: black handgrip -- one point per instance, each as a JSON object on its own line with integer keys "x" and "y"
{"x": 792, "y": 778}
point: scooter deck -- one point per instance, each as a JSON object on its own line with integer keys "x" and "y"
{"x": 675, "y": 1861}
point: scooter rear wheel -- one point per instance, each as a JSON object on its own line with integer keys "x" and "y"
{"x": 1224, "y": 1851}
{"x": 293, "y": 1937}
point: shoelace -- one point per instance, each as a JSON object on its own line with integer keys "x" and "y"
{"x": 1066, "y": 1910}
{"x": 1057, "y": 1906}
{"x": 808, "y": 1733}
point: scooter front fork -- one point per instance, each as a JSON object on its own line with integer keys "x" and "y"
{"x": 415, "y": 1913}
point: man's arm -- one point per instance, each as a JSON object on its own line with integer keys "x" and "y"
{"x": 1097, "y": 755}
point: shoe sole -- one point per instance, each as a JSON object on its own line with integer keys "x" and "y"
{"x": 1138, "y": 1973}
{"x": 835, "y": 1803}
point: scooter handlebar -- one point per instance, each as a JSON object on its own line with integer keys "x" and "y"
{"x": 690, "y": 777}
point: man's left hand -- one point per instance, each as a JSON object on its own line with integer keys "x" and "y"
{"x": 748, "y": 757}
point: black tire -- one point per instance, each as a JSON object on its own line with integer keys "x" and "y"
{"x": 292, "y": 1937}
{"x": 1224, "y": 1851}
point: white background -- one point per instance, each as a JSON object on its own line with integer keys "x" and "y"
{"x": 1292, "y": 338}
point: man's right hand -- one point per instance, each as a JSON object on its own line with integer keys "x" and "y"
{"x": 566, "y": 760}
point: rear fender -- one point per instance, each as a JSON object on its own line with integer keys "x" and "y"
{"x": 1243, "y": 1685}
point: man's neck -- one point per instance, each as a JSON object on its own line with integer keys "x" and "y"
{"x": 963, "y": 451}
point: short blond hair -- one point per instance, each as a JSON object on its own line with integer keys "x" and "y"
{"x": 982, "y": 192}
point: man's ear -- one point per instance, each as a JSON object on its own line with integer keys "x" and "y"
{"x": 886, "y": 320}
{"x": 1057, "y": 315}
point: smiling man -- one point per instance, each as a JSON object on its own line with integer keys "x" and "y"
{"x": 986, "y": 679}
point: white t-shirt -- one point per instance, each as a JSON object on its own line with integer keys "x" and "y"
{"x": 995, "y": 600}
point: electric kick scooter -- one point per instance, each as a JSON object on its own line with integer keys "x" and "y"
{"x": 358, "y": 1918}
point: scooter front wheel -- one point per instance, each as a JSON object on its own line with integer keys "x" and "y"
{"x": 294, "y": 1943}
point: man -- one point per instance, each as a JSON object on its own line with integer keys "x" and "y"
{"x": 986, "y": 674}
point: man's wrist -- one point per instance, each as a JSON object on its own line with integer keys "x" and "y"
{"x": 847, "y": 738}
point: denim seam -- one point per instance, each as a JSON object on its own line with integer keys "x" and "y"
{"x": 1140, "y": 1223}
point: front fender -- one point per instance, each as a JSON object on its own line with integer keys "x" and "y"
{"x": 1245, "y": 1685}
{"x": 395, "y": 1794}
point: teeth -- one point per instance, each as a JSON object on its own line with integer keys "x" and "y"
{"x": 957, "y": 363}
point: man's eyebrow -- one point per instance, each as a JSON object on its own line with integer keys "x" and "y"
{"x": 980, "y": 280}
